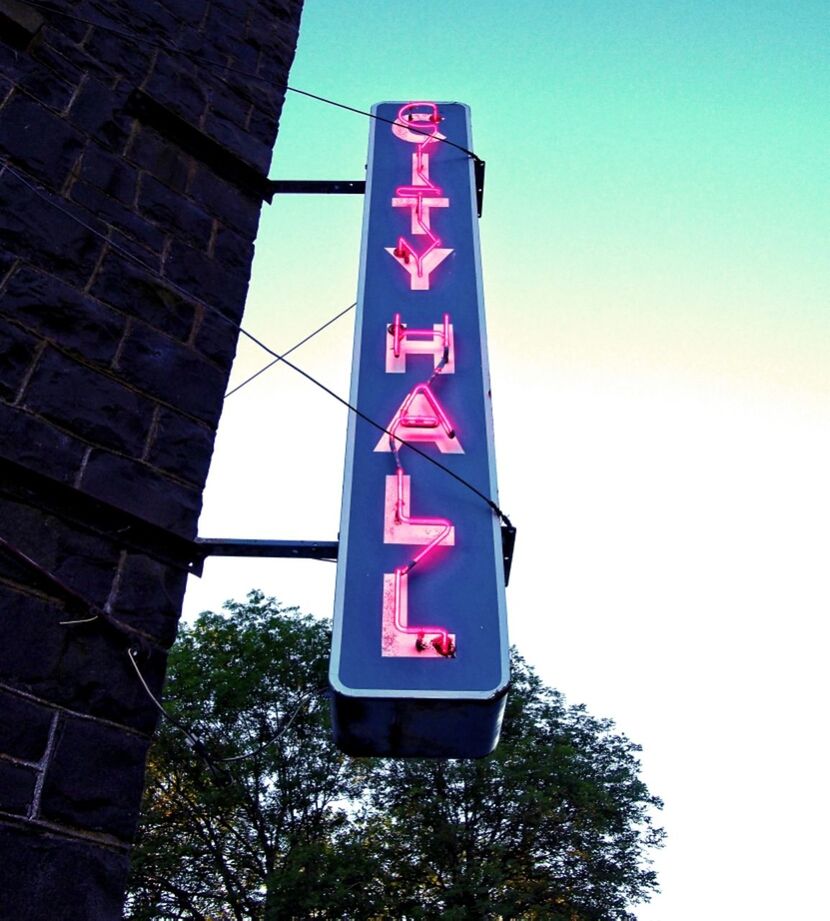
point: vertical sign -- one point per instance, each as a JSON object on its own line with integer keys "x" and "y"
{"x": 419, "y": 662}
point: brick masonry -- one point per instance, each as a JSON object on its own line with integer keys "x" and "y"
{"x": 124, "y": 266}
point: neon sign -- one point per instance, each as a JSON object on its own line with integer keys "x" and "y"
{"x": 419, "y": 653}
{"x": 421, "y": 196}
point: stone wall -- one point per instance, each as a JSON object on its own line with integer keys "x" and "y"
{"x": 132, "y": 169}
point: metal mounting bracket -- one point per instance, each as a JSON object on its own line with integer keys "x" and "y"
{"x": 314, "y": 187}
{"x": 203, "y": 547}
{"x": 349, "y": 187}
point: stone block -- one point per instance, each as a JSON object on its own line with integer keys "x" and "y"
{"x": 110, "y": 174}
{"x": 88, "y": 403}
{"x": 149, "y": 20}
{"x": 150, "y": 151}
{"x": 174, "y": 213}
{"x": 208, "y": 280}
{"x": 149, "y": 597}
{"x": 20, "y": 22}
{"x": 59, "y": 312}
{"x": 43, "y": 54}
{"x": 98, "y": 112}
{"x": 41, "y": 231}
{"x": 190, "y": 12}
{"x": 245, "y": 58}
{"x": 24, "y": 727}
{"x": 36, "y": 444}
{"x": 47, "y": 876}
{"x": 7, "y": 262}
{"x": 263, "y": 125}
{"x": 216, "y": 338}
{"x": 83, "y": 667}
{"x": 9, "y": 56}
{"x": 175, "y": 85}
{"x": 182, "y": 447}
{"x": 238, "y": 141}
{"x": 174, "y": 373}
{"x": 79, "y": 559}
{"x": 34, "y": 137}
{"x": 267, "y": 29}
{"x": 17, "y": 787}
{"x": 69, "y": 32}
{"x": 42, "y": 83}
{"x": 17, "y": 351}
{"x": 231, "y": 105}
{"x": 95, "y": 779}
{"x": 139, "y": 294}
{"x": 122, "y": 218}
{"x": 142, "y": 491}
{"x": 232, "y": 250}
{"x": 224, "y": 201}
{"x": 272, "y": 65}
{"x": 120, "y": 55}
{"x": 225, "y": 24}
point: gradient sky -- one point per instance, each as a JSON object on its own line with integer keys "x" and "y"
{"x": 655, "y": 251}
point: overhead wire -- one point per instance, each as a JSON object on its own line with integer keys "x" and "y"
{"x": 285, "y": 725}
{"x": 74, "y": 597}
{"x": 174, "y": 286}
{"x": 228, "y": 68}
{"x": 293, "y": 348}
{"x": 170, "y": 48}
{"x": 137, "y": 643}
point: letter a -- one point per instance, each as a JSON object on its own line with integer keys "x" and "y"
{"x": 421, "y": 418}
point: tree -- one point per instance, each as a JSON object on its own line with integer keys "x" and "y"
{"x": 266, "y": 830}
{"x": 555, "y": 825}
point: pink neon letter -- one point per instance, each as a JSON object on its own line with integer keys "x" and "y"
{"x": 438, "y": 342}
{"x": 420, "y": 196}
{"x": 400, "y": 528}
{"x": 421, "y": 418}
{"x": 396, "y": 634}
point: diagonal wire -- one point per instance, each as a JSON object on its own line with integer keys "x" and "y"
{"x": 7, "y": 167}
{"x": 293, "y": 348}
{"x": 401, "y": 441}
{"x": 217, "y": 65}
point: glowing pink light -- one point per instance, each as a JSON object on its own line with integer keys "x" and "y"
{"x": 422, "y": 195}
{"x": 421, "y": 418}
{"x": 399, "y": 527}
{"x": 421, "y": 341}
{"x": 427, "y": 122}
{"x": 439, "y": 342}
{"x": 431, "y": 420}
{"x": 443, "y": 642}
{"x": 397, "y": 634}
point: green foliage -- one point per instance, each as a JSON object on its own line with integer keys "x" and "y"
{"x": 265, "y": 831}
{"x": 555, "y": 825}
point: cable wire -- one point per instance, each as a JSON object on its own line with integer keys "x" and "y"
{"x": 136, "y": 647}
{"x": 7, "y": 167}
{"x": 401, "y": 441}
{"x": 196, "y": 743}
{"x": 251, "y": 75}
{"x": 285, "y": 725}
{"x": 292, "y": 349}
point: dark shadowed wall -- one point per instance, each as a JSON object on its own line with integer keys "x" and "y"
{"x": 132, "y": 168}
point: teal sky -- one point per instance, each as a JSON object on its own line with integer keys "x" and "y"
{"x": 655, "y": 254}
